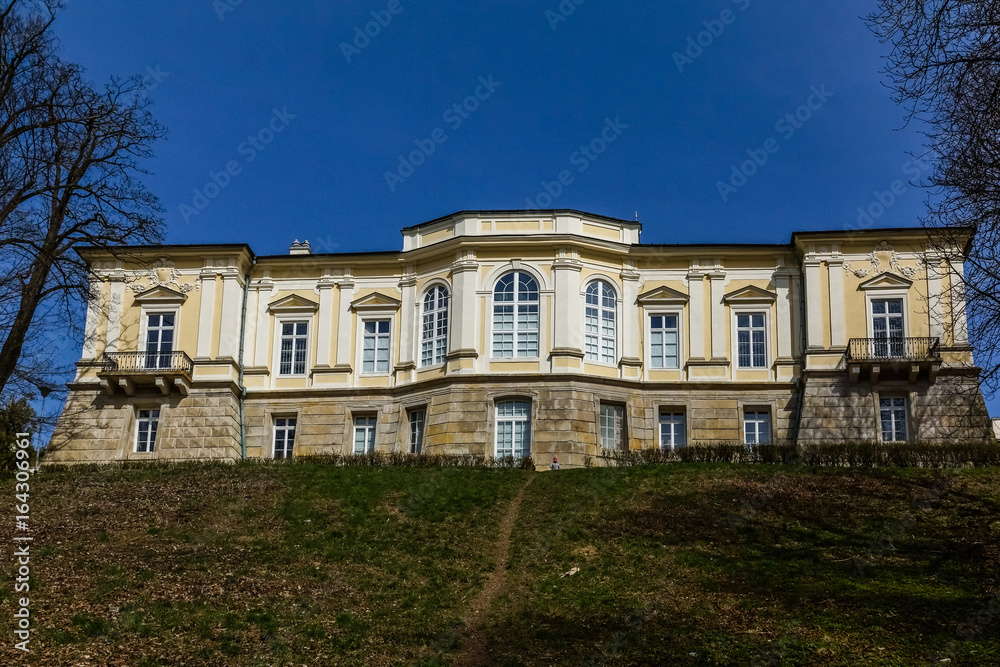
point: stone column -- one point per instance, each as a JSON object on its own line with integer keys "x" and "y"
{"x": 93, "y": 320}
{"x": 115, "y": 296}
{"x": 935, "y": 304}
{"x": 463, "y": 353}
{"x": 324, "y": 321}
{"x": 838, "y": 333}
{"x": 346, "y": 285}
{"x": 206, "y": 313}
{"x": 719, "y": 325}
{"x": 696, "y": 326}
{"x": 567, "y": 342}
{"x": 814, "y": 304}
{"x": 784, "y": 325}
{"x": 631, "y": 358}
{"x": 407, "y": 324}
{"x": 262, "y": 331}
{"x": 959, "y": 325}
{"x": 232, "y": 306}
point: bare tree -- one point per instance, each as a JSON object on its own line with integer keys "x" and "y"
{"x": 945, "y": 70}
{"x": 70, "y": 155}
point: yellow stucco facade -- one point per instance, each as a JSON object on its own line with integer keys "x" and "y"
{"x": 506, "y": 332}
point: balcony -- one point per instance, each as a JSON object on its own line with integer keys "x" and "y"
{"x": 893, "y": 358}
{"x": 127, "y": 370}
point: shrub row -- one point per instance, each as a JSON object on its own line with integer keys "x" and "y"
{"x": 401, "y": 460}
{"x": 840, "y": 454}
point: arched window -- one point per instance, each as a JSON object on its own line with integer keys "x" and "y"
{"x": 434, "y": 339}
{"x": 515, "y": 316}
{"x": 599, "y": 323}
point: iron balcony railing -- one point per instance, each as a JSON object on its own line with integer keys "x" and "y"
{"x": 892, "y": 349}
{"x": 147, "y": 362}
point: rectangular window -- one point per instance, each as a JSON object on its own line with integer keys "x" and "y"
{"x": 673, "y": 430}
{"x": 756, "y": 427}
{"x": 417, "y": 430}
{"x": 159, "y": 339}
{"x": 892, "y": 414}
{"x": 145, "y": 437}
{"x": 887, "y": 327}
{"x": 663, "y": 341}
{"x": 284, "y": 437}
{"x": 293, "y": 348}
{"x": 612, "y": 426}
{"x": 376, "y": 347}
{"x": 513, "y": 429}
{"x": 751, "y": 340}
{"x": 364, "y": 435}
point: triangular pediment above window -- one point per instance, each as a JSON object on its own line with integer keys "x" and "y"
{"x": 375, "y": 300}
{"x": 663, "y": 296}
{"x": 160, "y": 295}
{"x": 750, "y": 294}
{"x": 292, "y": 303}
{"x": 886, "y": 281}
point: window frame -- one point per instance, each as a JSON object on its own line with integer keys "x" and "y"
{"x": 672, "y": 411}
{"x": 600, "y": 335}
{"x": 513, "y": 419}
{"x": 144, "y": 312}
{"x": 361, "y": 348}
{"x": 648, "y": 335}
{"x": 154, "y": 421}
{"x": 886, "y": 296}
{"x": 765, "y": 329}
{"x": 515, "y": 331}
{"x": 289, "y": 449}
{"x": 371, "y": 426}
{"x": 280, "y": 337}
{"x": 437, "y": 314}
{"x": 757, "y": 410}
{"x": 416, "y": 446}
{"x": 906, "y": 416}
{"x": 620, "y": 427}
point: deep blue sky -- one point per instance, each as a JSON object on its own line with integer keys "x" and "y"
{"x": 219, "y": 70}
{"x": 323, "y": 176}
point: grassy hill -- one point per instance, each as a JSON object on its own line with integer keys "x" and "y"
{"x": 682, "y": 564}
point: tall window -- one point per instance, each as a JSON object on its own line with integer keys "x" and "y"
{"x": 145, "y": 436}
{"x": 515, "y": 316}
{"x": 293, "y": 348}
{"x": 284, "y": 437}
{"x": 417, "y": 430}
{"x": 756, "y": 427}
{"x": 673, "y": 430}
{"x": 599, "y": 323}
{"x": 364, "y": 434}
{"x": 892, "y": 413}
{"x": 663, "y": 336}
{"x": 612, "y": 426}
{"x": 513, "y": 429}
{"x": 751, "y": 340}
{"x": 376, "y": 347}
{"x": 887, "y": 327}
{"x": 434, "y": 339}
{"x": 159, "y": 339}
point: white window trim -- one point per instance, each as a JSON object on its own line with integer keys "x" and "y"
{"x": 600, "y": 432}
{"x": 618, "y": 321}
{"x": 744, "y": 309}
{"x": 420, "y": 324}
{"x": 752, "y": 407}
{"x": 409, "y": 427}
{"x": 877, "y": 295}
{"x": 530, "y": 421}
{"x": 673, "y": 410}
{"x": 647, "y": 334}
{"x": 543, "y": 292}
{"x": 359, "y": 360}
{"x": 135, "y": 430}
{"x": 274, "y": 432}
{"x": 361, "y": 414}
{"x": 150, "y": 309}
{"x": 908, "y": 414}
{"x": 276, "y": 352}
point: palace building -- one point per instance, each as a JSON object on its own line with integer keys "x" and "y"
{"x": 520, "y": 333}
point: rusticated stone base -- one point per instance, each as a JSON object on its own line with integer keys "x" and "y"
{"x": 949, "y": 409}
